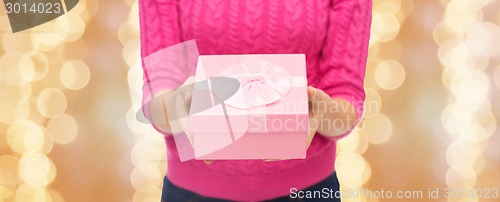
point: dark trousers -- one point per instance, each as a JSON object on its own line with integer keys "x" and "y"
{"x": 173, "y": 193}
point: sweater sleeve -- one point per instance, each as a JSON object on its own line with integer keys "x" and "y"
{"x": 159, "y": 29}
{"x": 344, "y": 53}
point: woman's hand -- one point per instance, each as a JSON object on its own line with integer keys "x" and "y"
{"x": 328, "y": 116}
{"x": 315, "y": 98}
{"x": 170, "y": 110}
{"x": 184, "y": 97}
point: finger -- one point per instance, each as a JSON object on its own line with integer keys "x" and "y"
{"x": 312, "y": 100}
{"x": 309, "y": 105}
{"x": 188, "y": 81}
{"x": 310, "y": 137}
{"x": 316, "y": 94}
{"x": 186, "y": 90}
{"x": 311, "y": 92}
{"x": 188, "y": 97}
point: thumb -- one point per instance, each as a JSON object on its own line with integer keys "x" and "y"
{"x": 186, "y": 90}
{"x": 188, "y": 97}
{"x": 312, "y": 93}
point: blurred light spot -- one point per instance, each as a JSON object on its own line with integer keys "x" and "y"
{"x": 385, "y": 27}
{"x": 134, "y": 18}
{"x": 446, "y": 76}
{"x": 496, "y": 77}
{"x": 367, "y": 172}
{"x": 127, "y": 32}
{"x": 74, "y": 74}
{"x": 135, "y": 82}
{"x": 16, "y": 42}
{"x": 87, "y": 9}
{"x": 131, "y": 52}
{"x": 478, "y": 62}
{"x": 479, "y": 4}
{"x": 349, "y": 143}
{"x": 130, "y": 3}
{"x": 486, "y": 119}
{"x": 24, "y": 136}
{"x": 5, "y": 192}
{"x": 147, "y": 194}
{"x": 445, "y": 51}
{"x": 459, "y": 55}
{"x": 454, "y": 119}
{"x": 471, "y": 107}
{"x": 34, "y": 169}
{"x": 458, "y": 177}
{"x": 63, "y": 129}
{"x": 70, "y": 26}
{"x": 8, "y": 171}
{"x": 34, "y": 66}
{"x": 145, "y": 175}
{"x": 482, "y": 39}
{"x": 446, "y": 30}
{"x": 479, "y": 147}
{"x": 350, "y": 168}
{"x": 378, "y": 129}
{"x": 460, "y": 155}
{"x": 48, "y": 142}
{"x": 9, "y": 68}
{"x": 363, "y": 142}
{"x": 146, "y": 152}
{"x": 30, "y": 193}
{"x": 471, "y": 74}
{"x": 12, "y": 112}
{"x": 480, "y": 164}
{"x": 406, "y": 10}
{"x": 132, "y": 122}
{"x": 34, "y": 140}
{"x": 5, "y": 24}
{"x": 460, "y": 12}
{"x": 16, "y": 94}
{"x": 81, "y": 7}
{"x": 392, "y": 7}
{"x": 468, "y": 90}
{"x": 46, "y": 37}
{"x": 51, "y": 102}
{"x": 373, "y": 103}
{"x": 474, "y": 133}
{"x": 389, "y": 75}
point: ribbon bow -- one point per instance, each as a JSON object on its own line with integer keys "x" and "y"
{"x": 261, "y": 83}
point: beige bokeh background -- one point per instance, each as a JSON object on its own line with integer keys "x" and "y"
{"x": 69, "y": 90}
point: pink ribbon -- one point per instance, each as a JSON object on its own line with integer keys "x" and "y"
{"x": 261, "y": 83}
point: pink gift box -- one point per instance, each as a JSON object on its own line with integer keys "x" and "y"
{"x": 250, "y": 107}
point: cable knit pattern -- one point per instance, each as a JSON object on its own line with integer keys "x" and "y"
{"x": 334, "y": 36}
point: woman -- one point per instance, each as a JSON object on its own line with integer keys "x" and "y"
{"x": 333, "y": 34}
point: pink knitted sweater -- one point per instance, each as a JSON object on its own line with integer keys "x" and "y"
{"x": 334, "y": 36}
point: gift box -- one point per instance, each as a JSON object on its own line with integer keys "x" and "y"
{"x": 250, "y": 107}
